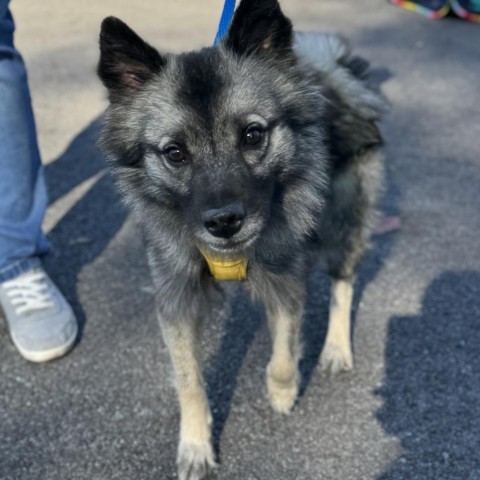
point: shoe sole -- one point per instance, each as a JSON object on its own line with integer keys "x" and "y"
{"x": 47, "y": 355}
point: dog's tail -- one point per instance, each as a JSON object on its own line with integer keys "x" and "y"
{"x": 347, "y": 75}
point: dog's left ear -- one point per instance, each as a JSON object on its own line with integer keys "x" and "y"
{"x": 126, "y": 61}
{"x": 259, "y": 27}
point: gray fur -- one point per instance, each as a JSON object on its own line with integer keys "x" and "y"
{"x": 311, "y": 189}
{"x": 323, "y": 52}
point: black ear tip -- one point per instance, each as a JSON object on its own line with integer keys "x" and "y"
{"x": 111, "y": 25}
{"x": 264, "y": 4}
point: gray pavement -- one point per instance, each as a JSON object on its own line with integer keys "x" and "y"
{"x": 411, "y": 408}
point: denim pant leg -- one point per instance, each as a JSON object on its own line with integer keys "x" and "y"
{"x": 23, "y": 196}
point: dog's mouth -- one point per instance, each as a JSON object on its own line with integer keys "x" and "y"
{"x": 226, "y": 249}
{"x": 222, "y": 269}
{"x": 227, "y": 260}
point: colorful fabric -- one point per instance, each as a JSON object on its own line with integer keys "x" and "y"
{"x": 467, "y": 9}
{"x": 435, "y": 9}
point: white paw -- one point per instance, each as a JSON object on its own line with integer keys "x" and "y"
{"x": 195, "y": 461}
{"x": 335, "y": 359}
{"x": 282, "y": 395}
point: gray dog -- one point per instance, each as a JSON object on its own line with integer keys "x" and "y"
{"x": 247, "y": 161}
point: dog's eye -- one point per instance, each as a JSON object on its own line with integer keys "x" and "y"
{"x": 175, "y": 155}
{"x": 252, "y": 135}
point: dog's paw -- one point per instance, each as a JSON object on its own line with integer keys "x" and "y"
{"x": 195, "y": 461}
{"x": 282, "y": 395}
{"x": 335, "y": 359}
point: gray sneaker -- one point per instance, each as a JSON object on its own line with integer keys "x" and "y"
{"x": 41, "y": 322}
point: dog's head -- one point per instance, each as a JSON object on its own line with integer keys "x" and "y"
{"x": 226, "y": 139}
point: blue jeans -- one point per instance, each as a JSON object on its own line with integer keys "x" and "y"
{"x": 23, "y": 195}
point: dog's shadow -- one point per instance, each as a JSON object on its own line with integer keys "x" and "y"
{"x": 239, "y": 329}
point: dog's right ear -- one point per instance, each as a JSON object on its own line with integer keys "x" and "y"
{"x": 126, "y": 61}
{"x": 260, "y": 27}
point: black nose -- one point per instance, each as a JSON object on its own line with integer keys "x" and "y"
{"x": 224, "y": 222}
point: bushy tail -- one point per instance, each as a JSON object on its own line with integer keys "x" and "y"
{"x": 347, "y": 75}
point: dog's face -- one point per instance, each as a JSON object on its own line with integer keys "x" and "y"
{"x": 220, "y": 136}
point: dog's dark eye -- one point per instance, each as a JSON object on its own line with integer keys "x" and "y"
{"x": 175, "y": 155}
{"x": 252, "y": 135}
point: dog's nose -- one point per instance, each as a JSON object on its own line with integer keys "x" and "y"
{"x": 224, "y": 222}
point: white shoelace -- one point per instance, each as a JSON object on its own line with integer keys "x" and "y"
{"x": 29, "y": 292}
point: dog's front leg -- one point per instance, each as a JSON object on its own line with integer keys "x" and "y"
{"x": 195, "y": 453}
{"x": 284, "y": 315}
{"x": 282, "y": 371}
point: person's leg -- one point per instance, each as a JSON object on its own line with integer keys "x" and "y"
{"x": 41, "y": 322}
{"x": 23, "y": 198}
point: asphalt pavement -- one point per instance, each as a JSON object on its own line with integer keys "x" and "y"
{"x": 410, "y": 409}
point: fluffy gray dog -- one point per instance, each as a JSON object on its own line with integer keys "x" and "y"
{"x": 247, "y": 161}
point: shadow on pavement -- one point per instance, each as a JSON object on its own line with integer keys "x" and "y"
{"x": 238, "y": 331}
{"x": 432, "y": 386}
{"x": 86, "y": 229}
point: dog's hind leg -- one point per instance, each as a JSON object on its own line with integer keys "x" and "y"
{"x": 348, "y": 225}
{"x": 195, "y": 453}
{"x": 337, "y": 352}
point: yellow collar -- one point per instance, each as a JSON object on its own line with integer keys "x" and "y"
{"x": 227, "y": 269}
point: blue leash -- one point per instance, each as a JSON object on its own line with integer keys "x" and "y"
{"x": 225, "y": 20}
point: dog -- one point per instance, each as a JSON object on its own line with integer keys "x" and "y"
{"x": 245, "y": 161}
